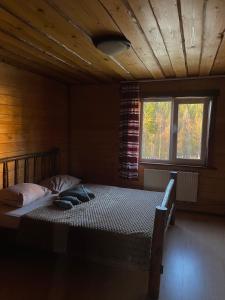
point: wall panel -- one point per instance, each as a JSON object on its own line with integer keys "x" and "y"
{"x": 95, "y": 135}
{"x": 33, "y": 114}
{"x": 94, "y": 132}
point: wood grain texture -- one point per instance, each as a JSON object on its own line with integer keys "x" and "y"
{"x": 192, "y": 17}
{"x": 168, "y": 19}
{"x": 33, "y": 115}
{"x": 42, "y": 16}
{"x": 213, "y": 34}
{"x": 93, "y": 19}
{"x": 94, "y": 145}
{"x": 16, "y": 46}
{"x": 25, "y": 32}
{"x": 169, "y": 38}
{"x": 25, "y": 63}
{"x": 149, "y": 25}
{"x": 125, "y": 20}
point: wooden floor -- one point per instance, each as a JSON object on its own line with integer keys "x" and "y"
{"x": 194, "y": 269}
{"x": 195, "y": 259}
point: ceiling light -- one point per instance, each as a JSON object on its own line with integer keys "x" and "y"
{"x": 112, "y": 45}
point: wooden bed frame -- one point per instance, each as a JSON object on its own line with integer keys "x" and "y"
{"x": 164, "y": 215}
{"x": 44, "y": 164}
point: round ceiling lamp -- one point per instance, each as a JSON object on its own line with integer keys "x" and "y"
{"x": 112, "y": 45}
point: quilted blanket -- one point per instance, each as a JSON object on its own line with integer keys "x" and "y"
{"x": 114, "y": 227}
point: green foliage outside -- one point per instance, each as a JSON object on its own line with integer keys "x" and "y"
{"x": 156, "y": 130}
{"x": 189, "y": 131}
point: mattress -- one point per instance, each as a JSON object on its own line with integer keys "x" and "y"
{"x": 116, "y": 226}
{"x": 10, "y": 217}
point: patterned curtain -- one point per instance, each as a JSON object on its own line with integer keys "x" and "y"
{"x": 129, "y": 130}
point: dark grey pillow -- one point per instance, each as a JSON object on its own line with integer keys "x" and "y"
{"x": 81, "y": 192}
{"x": 71, "y": 199}
{"x": 63, "y": 204}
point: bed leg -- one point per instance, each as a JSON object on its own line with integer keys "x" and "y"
{"x": 156, "y": 253}
{"x": 173, "y": 216}
{"x": 173, "y": 175}
{"x": 160, "y": 225}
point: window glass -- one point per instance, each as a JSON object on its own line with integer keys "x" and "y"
{"x": 173, "y": 129}
{"x": 156, "y": 130}
{"x": 189, "y": 134}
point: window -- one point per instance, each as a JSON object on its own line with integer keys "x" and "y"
{"x": 175, "y": 130}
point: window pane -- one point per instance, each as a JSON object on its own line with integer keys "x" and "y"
{"x": 156, "y": 130}
{"x": 189, "y": 136}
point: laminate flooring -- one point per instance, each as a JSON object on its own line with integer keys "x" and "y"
{"x": 194, "y": 269}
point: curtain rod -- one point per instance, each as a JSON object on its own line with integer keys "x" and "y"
{"x": 174, "y": 79}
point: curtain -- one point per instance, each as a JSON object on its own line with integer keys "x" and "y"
{"x": 129, "y": 130}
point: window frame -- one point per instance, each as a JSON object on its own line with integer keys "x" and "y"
{"x": 206, "y": 125}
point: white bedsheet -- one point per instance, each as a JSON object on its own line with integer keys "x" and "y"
{"x": 10, "y": 216}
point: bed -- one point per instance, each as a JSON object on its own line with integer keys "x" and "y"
{"x": 121, "y": 225}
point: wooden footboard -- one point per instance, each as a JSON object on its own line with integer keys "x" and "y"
{"x": 164, "y": 215}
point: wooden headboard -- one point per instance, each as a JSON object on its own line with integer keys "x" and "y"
{"x": 31, "y": 167}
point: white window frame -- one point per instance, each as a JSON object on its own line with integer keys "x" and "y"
{"x": 175, "y": 101}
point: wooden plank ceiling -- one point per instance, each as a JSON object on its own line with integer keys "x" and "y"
{"x": 170, "y": 38}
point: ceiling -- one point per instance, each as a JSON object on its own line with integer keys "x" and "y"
{"x": 170, "y": 38}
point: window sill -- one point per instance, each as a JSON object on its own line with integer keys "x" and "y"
{"x": 164, "y": 164}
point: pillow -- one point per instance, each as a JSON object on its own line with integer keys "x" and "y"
{"x": 63, "y": 204}
{"x": 81, "y": 192}
{"x": 22, "y": 194}
{"x": 73, "y": 200}
{"x": 60, "y": 183}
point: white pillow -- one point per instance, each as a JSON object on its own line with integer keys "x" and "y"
{"x": 60, "y": 183}
{"x": 22, "y": 194}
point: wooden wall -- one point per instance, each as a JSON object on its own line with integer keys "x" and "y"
{"x": 95, "y": 135}
{"x": 94, "y": 117}
{"x": 33, "y": 114}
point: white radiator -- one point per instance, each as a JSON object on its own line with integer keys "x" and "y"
{"x": 187, "y": 183}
